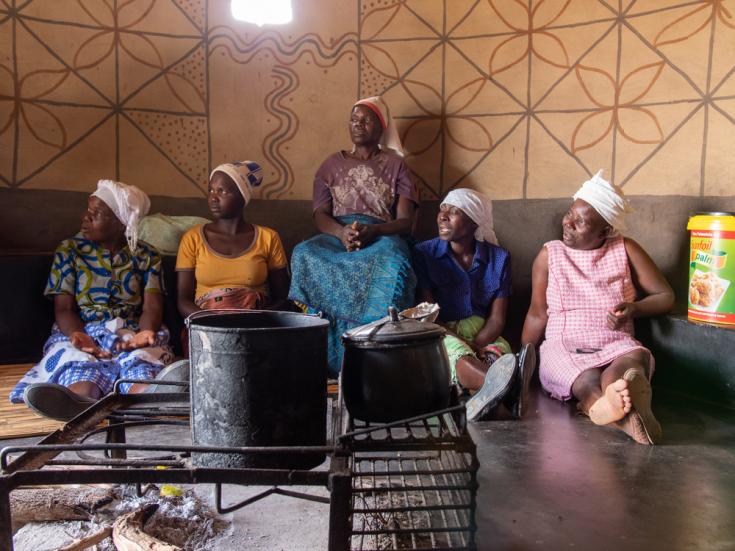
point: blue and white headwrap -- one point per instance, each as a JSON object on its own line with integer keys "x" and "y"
{"x": 245, "y": 174}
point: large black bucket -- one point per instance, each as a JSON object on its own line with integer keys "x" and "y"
{"x": 258, "y": 379}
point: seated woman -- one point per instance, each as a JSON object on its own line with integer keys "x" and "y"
{"x": 231, "y": 263}
{"x": 108, "y": 304}
{"x": 364, "y": 201}
{"x": 467, "y": 274}
{"x": 587, "y": 289}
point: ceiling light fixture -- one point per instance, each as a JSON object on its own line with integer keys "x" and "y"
{"x": 262, "y": 12}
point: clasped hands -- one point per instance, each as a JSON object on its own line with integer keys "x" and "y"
{"x": 85, "y": 343}
{"x": 357, "y": 236}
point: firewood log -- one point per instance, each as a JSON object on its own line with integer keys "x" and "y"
{"x": 44, "y": 504}
{"x": 128, "y": 535}
{"x": 88, "y": 541}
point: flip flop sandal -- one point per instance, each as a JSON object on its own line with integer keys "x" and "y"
{"x": 175, "y": 372}
{"x": 640, "y": 397}
{"x": 638, "y": 430}
{"x": 498, "y": 380}
{"x": 55, "y": 401}
{"x": 526, "y": 368}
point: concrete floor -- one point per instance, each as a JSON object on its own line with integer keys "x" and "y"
{"x": 555, "y": 481}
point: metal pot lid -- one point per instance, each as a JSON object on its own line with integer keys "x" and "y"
{"x": 391, "y": 328}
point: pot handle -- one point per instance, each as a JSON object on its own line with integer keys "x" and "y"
{"x": 200, "y": 313}
{"x": 393, "y": 313}
{"x": 392, "y": 317}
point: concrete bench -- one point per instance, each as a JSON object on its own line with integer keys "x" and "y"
{"x": 26, "y": 315}
{"x": 696, "y": 359}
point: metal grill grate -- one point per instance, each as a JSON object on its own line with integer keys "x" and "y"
{"x": 405, "y": 485}
{"x": 419, "y": 491}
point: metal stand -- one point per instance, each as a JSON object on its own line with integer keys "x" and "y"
{"x": 408, "y": 485}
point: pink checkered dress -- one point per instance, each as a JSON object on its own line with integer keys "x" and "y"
{"x": 583, "y": 287}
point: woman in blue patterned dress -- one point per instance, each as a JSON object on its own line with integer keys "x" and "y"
{"x": 108, "y": 307}
{"x": 364, "y": 202}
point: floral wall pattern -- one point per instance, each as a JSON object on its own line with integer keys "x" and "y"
{"x": 519, "y": 98}
{"x": 528, "y": 98}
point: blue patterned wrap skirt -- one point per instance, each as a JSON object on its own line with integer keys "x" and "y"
{"x": 351, "y": 288}
{"x": 64, "y": 364}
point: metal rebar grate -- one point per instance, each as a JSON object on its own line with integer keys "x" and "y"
{"x": 413, "y": 484}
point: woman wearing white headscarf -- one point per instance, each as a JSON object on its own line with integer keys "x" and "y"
{"x": 108, "y": 304}
{"x": 586, "y": 291}
{"x": 364, "y": 202}
{"x": 468, "y": 275}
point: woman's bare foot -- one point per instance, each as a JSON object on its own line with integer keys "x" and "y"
{"x": 613, "y": 405}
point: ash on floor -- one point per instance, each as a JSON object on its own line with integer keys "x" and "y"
{"x": 184, "y": 521}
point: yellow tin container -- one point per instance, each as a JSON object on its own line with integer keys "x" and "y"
{"x": 712, "y": 267}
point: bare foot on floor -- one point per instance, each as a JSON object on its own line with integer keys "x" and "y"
{"x": 632, "y": 425}
{"x": 613, "y": 405}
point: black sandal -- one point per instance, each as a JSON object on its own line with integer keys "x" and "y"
{"x": 55, "y": 401}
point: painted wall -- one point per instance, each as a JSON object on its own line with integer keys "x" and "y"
{"x": 522, "y": 99}
{"x": 519, "y": 99}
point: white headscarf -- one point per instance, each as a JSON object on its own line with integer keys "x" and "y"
{"x": 245, "y": 174}
{"x": 129, "y": 204}
{"x": 607, "y": 199}
{"x": 479, "y": 208}
{"x": 390, "y": 138}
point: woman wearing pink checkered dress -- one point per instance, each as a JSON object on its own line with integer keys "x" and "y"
{"x": 586, "y": 290}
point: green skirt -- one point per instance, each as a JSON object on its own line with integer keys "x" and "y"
{"x": 467, "y": 329}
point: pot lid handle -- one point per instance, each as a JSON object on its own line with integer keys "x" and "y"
{"x": 393, "y": 313}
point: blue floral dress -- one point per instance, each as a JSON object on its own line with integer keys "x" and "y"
{"x": 109, "y": 293}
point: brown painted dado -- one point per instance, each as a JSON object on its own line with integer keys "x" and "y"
{"x": 35, "y": 221}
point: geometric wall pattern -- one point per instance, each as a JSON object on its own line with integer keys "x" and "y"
{"x": 526, "y": 99}
{"x": 522, "y": 99}
{"x": 98, "y": 83}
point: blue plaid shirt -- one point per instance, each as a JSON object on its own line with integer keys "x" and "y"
{"x": 463, "y": 293}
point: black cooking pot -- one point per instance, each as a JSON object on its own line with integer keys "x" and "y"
{"x": 258, "y": 379}
{"x": 394, "y": 369}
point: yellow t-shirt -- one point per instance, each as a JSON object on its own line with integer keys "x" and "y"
{"x": 248, "y": 269}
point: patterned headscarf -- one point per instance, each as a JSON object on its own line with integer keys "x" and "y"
{"x": 129, "y": 204}
{"x": 245, "y": 174}
{"x": 479, "y": 208}
{"x": 607, "y": 199}
{"x": 390, "y": 138}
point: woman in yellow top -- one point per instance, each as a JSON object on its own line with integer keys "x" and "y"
{"x": 231, "y": 263}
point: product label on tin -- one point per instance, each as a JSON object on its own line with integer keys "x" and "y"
{"x": 711, "y": 275}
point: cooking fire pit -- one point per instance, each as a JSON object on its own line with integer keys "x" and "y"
{"x": 404, "y": 485}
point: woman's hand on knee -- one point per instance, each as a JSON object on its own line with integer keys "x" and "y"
{"x": 620, "y": 315}
{"x": 146, "y": 337}
{"x": 85, "y": 343}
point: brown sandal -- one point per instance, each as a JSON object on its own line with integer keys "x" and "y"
{"x": 640, "y": 397}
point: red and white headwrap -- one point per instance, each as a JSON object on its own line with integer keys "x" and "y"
{"x": 390, "y": 138}
{"x": 129, "y": 203}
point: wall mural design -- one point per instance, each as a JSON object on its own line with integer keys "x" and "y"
{"x": 527, "y": 98}
{"x": 520, "y": 98}
{"x": 94, "y": 73}
{"x": 283, "y": 57}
